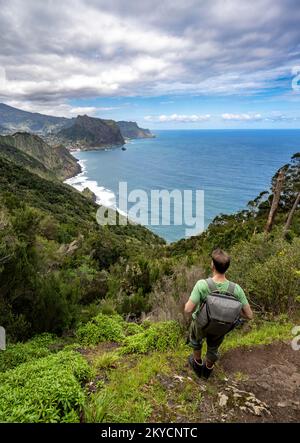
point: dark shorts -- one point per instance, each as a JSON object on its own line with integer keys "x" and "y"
{"x": 196, "y": 340}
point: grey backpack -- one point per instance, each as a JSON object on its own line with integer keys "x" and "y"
{"x": 220, "y": 312}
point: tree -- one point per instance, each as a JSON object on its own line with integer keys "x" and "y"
{"x": 277, "y": 188}
{"x": 291, "y": 214}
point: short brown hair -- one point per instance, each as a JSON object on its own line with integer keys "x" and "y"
{"x": 221, "y": 260}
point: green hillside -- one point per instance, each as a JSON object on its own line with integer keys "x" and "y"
{"x": 57, "y": 160}
{"x": 110, "y": 298}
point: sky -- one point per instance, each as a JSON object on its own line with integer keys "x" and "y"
{"x": 167, "y": 64}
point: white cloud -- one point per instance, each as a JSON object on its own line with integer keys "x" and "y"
{"x": 59, "y": 109}
{"x": 177, "y": 118}
{"x": 53, "y": 51}
{"x": 242, "y": 117}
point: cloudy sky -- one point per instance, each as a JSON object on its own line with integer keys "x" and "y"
{"x": 164, "y": 63}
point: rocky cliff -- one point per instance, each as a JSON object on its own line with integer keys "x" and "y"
{"x": 132, "y": 130}
{"x": 89, "y": 132}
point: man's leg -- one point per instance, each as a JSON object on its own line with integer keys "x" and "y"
{"x": 195, "y": 342}
{"x": 213, "y": 344}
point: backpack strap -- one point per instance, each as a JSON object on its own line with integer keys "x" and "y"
{"x": 211, "y": 285}
{"x": 231, "y": 288}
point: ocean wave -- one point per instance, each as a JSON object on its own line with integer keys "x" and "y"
{"x": 105, "y": 196}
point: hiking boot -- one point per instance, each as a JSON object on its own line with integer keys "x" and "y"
{"x": 206, "y": 372}
{"x": 197, "y": 368}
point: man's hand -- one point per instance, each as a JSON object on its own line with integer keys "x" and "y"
{"x": 247, "y": 312}
{"x": 189, "y": 307}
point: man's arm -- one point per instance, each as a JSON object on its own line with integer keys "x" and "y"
{"x": 247, "y": 312}
{"x": 189, "y": 307}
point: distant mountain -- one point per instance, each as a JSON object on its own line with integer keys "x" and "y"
{"x": 90, "y": 132}
{"x": 56, "y": 160}
{"x": 83, "y": 130}
{"x": 132, "y": 130}
{"x": 13, "y": 119}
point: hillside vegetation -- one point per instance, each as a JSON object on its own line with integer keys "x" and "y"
{"x": 94, "y": 313}
{"x": 57, "y": 160}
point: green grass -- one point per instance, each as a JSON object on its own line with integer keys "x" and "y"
{"x": 262, "y": 334}
{"x": 45, "y": 390}
{"x": 124, "y": 399}
{"x": 106, "y": 360}
{"x": 19, "y": 353}
{"x": 42, "y": 386}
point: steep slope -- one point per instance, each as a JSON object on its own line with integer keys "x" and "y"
{"x": 89, "y": 132}
{"x": 20, "y": 158}
{"x": 57, "y": 160}
{"x": 13, "y": 119}
{"x": 64, "y": 203}
{"x": 132, "y": 130}
{"x": 54, "y": 257}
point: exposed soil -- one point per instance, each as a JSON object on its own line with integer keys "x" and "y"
{"x": 272, "y": 374}
{"x": 259, "y": 384}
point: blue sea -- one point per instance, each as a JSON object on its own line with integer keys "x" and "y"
{"x": 230, "y": 166}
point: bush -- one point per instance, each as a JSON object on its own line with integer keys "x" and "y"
{"x": 269, "y": 272}
{"x": 133, "y": 328}
{"x": 101, "y": 328}
{"x": 158, "y": 337}
{"x": 171, "y": 292}
{"x": 25, "y": 352}
{"x": 45, "y": 390}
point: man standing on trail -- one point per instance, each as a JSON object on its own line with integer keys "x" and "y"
{"x": 216, "y": 305}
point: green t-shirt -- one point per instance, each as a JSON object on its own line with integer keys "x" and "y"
{"x": 201, "y": 291}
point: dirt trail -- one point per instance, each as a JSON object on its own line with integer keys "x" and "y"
{"x": 272, "y": 374}
{"x": 259, "y": 384}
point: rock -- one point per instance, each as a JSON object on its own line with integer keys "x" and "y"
{"x": 223, "y": 399}
{"x": 89, "y": 194}
{"x": 179, "y": 378}
{"x": 282, "y": 405}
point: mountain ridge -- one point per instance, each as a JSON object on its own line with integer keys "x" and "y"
{"x": 15, "y": 120}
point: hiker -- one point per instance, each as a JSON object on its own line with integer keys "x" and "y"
{"x": 217, "y": 306}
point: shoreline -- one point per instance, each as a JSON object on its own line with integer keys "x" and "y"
{"x": 104, "y": 197}
{"x": 80, "y": 181}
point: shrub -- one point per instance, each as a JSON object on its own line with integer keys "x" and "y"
{"x": 133, "y": 328}
{"x": 134, "y": 304}
{"x": 24, "y": 352}
{"x": 171, "y": 292}
{"x": 158, "y": 337}
{"x": 101, "y": 328}
{"x": 46, "y": 390}
{"x": 268, "y": 271}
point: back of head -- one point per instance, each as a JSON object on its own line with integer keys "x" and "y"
{"x": 221, "y": 260}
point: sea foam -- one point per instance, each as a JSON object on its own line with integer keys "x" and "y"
{"x": 81, "y": 181}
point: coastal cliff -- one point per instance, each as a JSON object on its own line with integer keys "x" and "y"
{"x": 90, "y": 132}
{"x": 53, "y": 161}
{"x": 132, "y": 130}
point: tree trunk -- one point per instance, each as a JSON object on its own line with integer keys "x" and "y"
{"x": 291, "y": 214}
{"x": 275, "y": 202}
